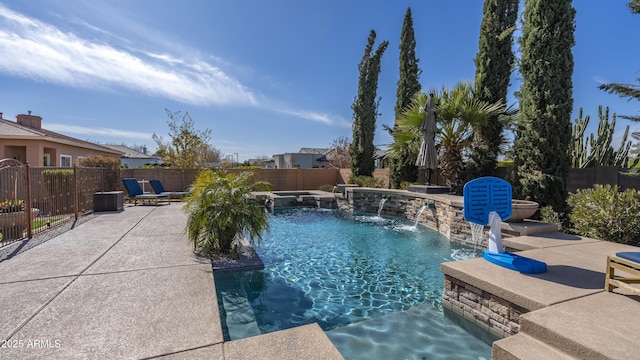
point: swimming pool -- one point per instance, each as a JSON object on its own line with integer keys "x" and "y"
{"x": 363, "y": 279}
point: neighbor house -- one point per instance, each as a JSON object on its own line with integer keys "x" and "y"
{"x": 25, "y": 140}
{"x": 306, "y": 158}
{"x": 381, "y": 159}
{"x": 133, "y": 158}
{"x": 263, "y": 163}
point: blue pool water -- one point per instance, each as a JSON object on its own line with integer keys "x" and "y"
{"x": 373, "y": 284}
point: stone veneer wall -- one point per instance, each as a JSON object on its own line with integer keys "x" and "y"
{"x": 444, "y": 213}
{"x": 487, "y": 311}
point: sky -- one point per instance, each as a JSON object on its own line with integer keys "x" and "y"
{"x": 266, "y": 77}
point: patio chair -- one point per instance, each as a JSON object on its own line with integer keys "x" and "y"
{"x": 135, "y": 192}
{"x": 159, "y": 189}
{"x": 628, "y": 262}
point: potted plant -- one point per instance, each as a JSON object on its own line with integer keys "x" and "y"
{"x": 11, "y": 206}
{"x": 221, "y": 211}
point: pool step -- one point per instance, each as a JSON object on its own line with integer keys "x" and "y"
{"x": 240, "y": 319}
{"x": 412, "y": 334}
{"x": 525, "y": 347}
{"x": 574, "y": 329}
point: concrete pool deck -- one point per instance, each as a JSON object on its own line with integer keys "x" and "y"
{"x": 127, "y": 285}
{"x": 571, "y": 315}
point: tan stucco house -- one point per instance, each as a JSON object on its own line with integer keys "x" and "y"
{"x": 26, "y": 140}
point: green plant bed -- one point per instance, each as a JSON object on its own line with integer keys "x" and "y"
{"x": 605, "y": 213}
{"x": 366, "y": 181}
{"x": 36, "y": 224}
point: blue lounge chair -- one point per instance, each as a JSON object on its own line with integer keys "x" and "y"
{"x": 135, "y": 192}
{"x": 159, "y": 189}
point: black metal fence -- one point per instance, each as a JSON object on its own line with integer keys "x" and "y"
{"x": 37, "y": 199}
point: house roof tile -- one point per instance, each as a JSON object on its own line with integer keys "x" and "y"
{"x": 13, "y": 130}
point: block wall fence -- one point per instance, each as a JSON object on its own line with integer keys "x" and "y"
{"x": 312, "y": 179}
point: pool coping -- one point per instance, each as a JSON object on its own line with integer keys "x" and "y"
{"x": 99, "y": 287}
{"x": 539, "y": 312}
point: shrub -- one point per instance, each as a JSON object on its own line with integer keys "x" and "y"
{"x": 366, "y": 181}
{"x": 603, "y": 212}
{"x": 548, "y": 215}
{"x": 60, "y": 187}
{"x": 111, "y": 166}
{"x": 326, "y": 187}
{"x": 261, "y": 185}
{"x": 405, "y": 185}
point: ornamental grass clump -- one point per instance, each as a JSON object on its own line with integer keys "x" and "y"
{"x": 604, "y": 213}
{"x": 221, "y": 211}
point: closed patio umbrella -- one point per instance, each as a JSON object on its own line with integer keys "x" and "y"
{"x": 427, "y": 155}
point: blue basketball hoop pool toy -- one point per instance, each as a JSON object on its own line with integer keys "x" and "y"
{"x": 487, "y": 201}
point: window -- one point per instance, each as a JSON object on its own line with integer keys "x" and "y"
{"x": 65, "y": 160}
{"x": 47, "y": 160}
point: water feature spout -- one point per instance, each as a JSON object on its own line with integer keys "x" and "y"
{"x": 334, "y": 189}
{"x": 422, "y": 209}
{"x": 381, "y": 206}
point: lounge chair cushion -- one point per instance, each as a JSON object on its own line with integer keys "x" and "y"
{"x": 135, "y": 192}
{"x": 630, "y": 255}
{"x": 158, "y": 188}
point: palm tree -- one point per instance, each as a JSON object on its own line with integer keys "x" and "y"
{"x": 457, "y": 113}
{"x": 406, "y": 134}
{"x": 221, "y": 210}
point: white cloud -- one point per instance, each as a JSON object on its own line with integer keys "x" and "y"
{"x": 80, "y": 130}
{"x": 599, "y": 79}
{"x": 43, "y": 52}
{"x": 316, "y": 116}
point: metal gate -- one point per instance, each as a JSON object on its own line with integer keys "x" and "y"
{"x": 15, "y": 211}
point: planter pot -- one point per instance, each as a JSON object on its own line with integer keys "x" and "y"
{"x": 522, "y": 209}
{"x": 13, "y": 224}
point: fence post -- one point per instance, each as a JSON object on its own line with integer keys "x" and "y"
{"x": 75, "y": 191}
{"x": 28, "y": 207}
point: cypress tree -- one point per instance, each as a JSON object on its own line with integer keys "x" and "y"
{"x": 365, "y": 109}
{"x": 494, "y": 64}
{"x": 403, "y": 168}
{"x": 541, "y": 146}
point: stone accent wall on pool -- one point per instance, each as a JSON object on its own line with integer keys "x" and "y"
{"x": 444, "y": 213}
{"x": 484, "y": 309}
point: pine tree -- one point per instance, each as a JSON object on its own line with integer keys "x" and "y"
{"x": 494, "y": 64}
{"x": 365, "y": 109}
{"x": 541, "y": 146}
{"x": 403, "y": 168}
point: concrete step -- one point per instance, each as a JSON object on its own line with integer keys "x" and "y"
{"x": 525, "y": 347}
{"x": 600, "y": 326}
